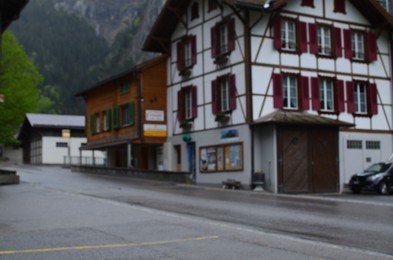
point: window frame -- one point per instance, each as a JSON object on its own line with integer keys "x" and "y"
{"x": 186, "y": 53}
{"x": 338, "y": 95}
{"x": 220, "y": 158}
{"x": 371, "y": 96}
{"x": 339, "y": 6}
{"x": 127, "y": 114}
{"x": 194, "y": 11}
{"x": 217, "y": 50}
{"x": 300, "y": 35}
{"x": 370, "y": 47}
{"x": 187, "y": 109}
{"x": 218, "y": 106}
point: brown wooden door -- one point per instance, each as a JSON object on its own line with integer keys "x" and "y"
{"x": 307, "y": 159}
{"x": 293, "y": 160}
{"x": 325, "y": 167}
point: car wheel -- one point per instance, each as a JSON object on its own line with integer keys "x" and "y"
{"x": 383, "y": 188}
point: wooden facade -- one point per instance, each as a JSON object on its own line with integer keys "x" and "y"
{"x": 126, "y": 115}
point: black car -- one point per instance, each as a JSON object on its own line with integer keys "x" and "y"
{"x": 378, "y": 177}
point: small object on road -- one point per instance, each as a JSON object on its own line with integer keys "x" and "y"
{"x": 231, "y": 184}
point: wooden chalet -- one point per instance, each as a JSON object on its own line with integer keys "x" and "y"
{"x": 126, "y": 116}
{"x": 300, "y": 90}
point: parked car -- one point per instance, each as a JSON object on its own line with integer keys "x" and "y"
{"x": 378, "y": 177}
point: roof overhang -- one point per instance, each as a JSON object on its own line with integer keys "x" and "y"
{"x": 158, "y": 40}
{"x": 10, "y": 11}
{"x": 300, "y": 119}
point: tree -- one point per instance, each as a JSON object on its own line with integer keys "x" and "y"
{"x": 19, "y": 80}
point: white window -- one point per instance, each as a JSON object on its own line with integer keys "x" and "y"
{"x": 189, "y": 105}
{"x": 327, "y": 94}
{"x": 224, "y": 95}
{"x": 223, "y": 38}
{"x": 358, "y": 45}
{"x": 324, "y": 41}
{"x": 288, "y": 35}
{"x": 187, "y": 54}
{"x": 290, "y": 92}
{"x": 360, "y": 98}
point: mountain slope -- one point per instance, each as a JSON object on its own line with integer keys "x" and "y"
{"x": 75, "y": 43}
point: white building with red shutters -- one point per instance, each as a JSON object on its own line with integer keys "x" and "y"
{"x": 298, "y": 89}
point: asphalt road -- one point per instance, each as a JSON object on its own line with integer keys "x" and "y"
{"x": 57, "y": 214}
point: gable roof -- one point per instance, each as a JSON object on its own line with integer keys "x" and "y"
{"x": 158, "y": 40}
{"x": 55, "y": 121}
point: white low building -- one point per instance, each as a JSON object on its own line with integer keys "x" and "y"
{"x": 56, "y": 139}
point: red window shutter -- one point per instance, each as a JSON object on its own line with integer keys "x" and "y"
{"x": 348, "y": 44}
{"x": 339, "y": 6}
{"x": 180, "y": 106}
{"x": 350, "y": 97}
{"x": 232, "y": 91}
{"x": 371, "y": 40}
{"x": 302, "y": 27}
{"x": 312, "y": 28}
{"x": 195, "y": 11}
{"x": 214, "y": 42}
{"x": 180, "y": 55}
{"x": 278, "y": 101}
{"x": 194, "y": 102}
{"x": 337, "y": 42}
{"x": 309, "y": 3}
{"x": 340, "y": 95}
{"x": 193, "y": 49}
{"x": 373, "y": 98}
{"x": 277, "y": 33}
{"x": 231, "y": 34}
{"x": 305, "y": 93}
{"x": 215, "y": 103}
{"x": 212, "y": 5}
{"x": 316, "y": 94}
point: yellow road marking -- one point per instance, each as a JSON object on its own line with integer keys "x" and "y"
{"x": 53, "y": 249}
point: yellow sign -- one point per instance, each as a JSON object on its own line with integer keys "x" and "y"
{"x": 66, "y": 133}
{"x": 154, "y": 130}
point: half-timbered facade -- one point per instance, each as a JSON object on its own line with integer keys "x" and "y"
{"x": 126, "y": 116}
{"x": 300, "y": 90}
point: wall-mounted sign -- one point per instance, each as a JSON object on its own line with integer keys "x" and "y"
{"x": 154, "y": 130}
{"x": 66, "y": 133}
{"x": 155, "y": 115}
{"x": 229, "y": 134}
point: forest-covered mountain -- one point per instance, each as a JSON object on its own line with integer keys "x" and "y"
{"x": 76, "y": 43}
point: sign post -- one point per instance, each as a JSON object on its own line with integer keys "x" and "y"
{"x": 2, "y": 98}
{"x": 66, "y": 133}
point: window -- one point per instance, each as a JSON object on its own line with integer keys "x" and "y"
{"x": 212, "y": 5}
{"x": 339, "y": 6}
{"x": 127, "y": 114}
{"x": 186, "y": 53}
{"x": 98, "y": 123}
{"x": 224, "y": 94}
{"x": 194, "y": 11}
{"x": 290, "y": 91}
{"x": 354, "y": 144}
{"x": 327, "y": 95}
{"x": 362, "y": 98}
{"x": 357, "y": 46}
{"x": 217, "y": 158}
{"x": 116, "y": 117}
{"x": 107, "y": 119}
{"x": 360, "y": 46}
{"x": 325, "y": 40}
{"x": 309, "y": 3}
{"x": 187, "y": 103}
{"x": 61, "y": 144}
{"x": 287, "y": 32}
{"x": 223, "y": 38}
{"x": 373, "y": 145}
{"x": 125, "y": 87}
